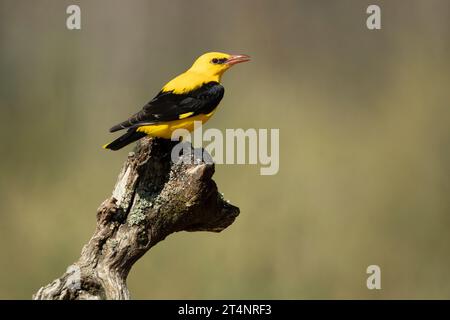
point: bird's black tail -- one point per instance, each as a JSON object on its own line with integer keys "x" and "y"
{"x": 125, "y": 139}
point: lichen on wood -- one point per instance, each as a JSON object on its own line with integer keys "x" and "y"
{"x": 153, "y": 197}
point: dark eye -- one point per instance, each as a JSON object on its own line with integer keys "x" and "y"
{"x": 219, "y": 61}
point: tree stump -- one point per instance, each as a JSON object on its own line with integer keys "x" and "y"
{"x": 153, "y": 197}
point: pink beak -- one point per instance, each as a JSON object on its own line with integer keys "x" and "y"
{"x": 237, "y": 58}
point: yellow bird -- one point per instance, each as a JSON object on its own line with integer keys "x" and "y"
{"x": 191, "y": 96}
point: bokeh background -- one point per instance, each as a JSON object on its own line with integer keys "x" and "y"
{"x": 364, "y": 129}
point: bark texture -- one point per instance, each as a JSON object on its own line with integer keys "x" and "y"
{"x": 153, "y": 198}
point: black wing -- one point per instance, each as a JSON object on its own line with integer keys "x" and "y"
{"x": 168, "y": 106}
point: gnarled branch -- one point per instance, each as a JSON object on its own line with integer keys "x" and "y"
{"x": 153, "y": 198}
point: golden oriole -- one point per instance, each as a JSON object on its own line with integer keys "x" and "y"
{"x": 191, "y": 96}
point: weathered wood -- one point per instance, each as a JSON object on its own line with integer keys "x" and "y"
{"x": 153, "y": 198}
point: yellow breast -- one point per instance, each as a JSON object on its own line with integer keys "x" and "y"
{"x": 165, "y": 129}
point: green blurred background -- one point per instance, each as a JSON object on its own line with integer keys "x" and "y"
{"x": 364, "y": 129}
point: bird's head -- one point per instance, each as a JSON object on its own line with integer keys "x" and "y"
{"x": 216, "y": 63}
